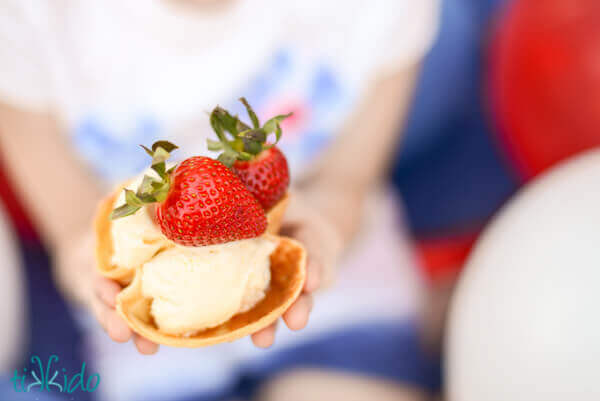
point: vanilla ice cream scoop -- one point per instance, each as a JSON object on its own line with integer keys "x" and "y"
{"x": 195, "y": 288}
{"x": 135, "y": 238}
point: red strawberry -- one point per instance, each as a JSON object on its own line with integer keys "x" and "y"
{"x": 260, "y": 165}
{"x": 200, "y": 202}
{"x": 266, "y": 176}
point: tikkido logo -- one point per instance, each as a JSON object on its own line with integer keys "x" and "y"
{"x": 39, "y": 379}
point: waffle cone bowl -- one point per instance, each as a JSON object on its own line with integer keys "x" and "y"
{"x": 275, "y": 215}
{"x": 288, "y": 271}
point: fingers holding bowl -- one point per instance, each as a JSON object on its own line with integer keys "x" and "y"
{"x": 266, "y": 337}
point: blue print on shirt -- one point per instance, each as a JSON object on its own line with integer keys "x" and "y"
{"x": 312, "y": 90}
{"x": 325, "y": 90}
{"x": 114, "y": 154}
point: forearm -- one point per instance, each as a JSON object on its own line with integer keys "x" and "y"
{"x": 57, "y": 190}
{"x": 358, "y": 159}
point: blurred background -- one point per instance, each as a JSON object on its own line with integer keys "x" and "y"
{"x": 504, "y": 91}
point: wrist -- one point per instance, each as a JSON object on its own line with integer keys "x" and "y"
{"x": 340, "y": 206}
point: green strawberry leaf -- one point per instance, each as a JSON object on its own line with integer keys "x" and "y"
{"x": 166, "y": 145}
{"x": 214, "y": 146}
{"x": 160, "y": 169}
{"x": 228, "y": 158}
{"x": 123, "y": 210}
{"x": 229, "y": 123}
{"x": 257, "y": 134}
{"x": 241, "y": 126}
{"x": 157, "y": 185}
{"x": 160, "y": 156}
{"x": 215, "y": 123}
{"x": 252, "y": 146}
{"x": 251, "y": 112}
{"x": 273, "y": 125}
{"x": 148, "y": 198}
{"x": 132, "y": 199}
{"x": 161, "y": 195}
{"x": 146, "y": 186}
{"x": 149, "y": 151}
{"x": 245, "y": 156}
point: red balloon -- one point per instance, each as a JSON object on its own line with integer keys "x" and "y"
{"x": 545, "y": 78}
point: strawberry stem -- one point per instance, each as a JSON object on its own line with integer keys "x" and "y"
{"x": 247, "y": 142}
{"x": 151, "y": 189}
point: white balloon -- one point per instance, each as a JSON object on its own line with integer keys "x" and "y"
{"x": 524, "y": 323}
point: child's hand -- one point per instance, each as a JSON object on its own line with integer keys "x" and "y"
{"x": 103, "y": 306}
{"x": 323, "y": 244}
{"x": 76, "y": 276}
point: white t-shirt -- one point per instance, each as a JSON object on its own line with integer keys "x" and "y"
{"x": 122, "y": 73}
